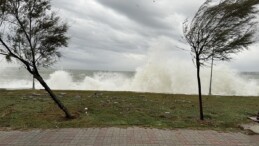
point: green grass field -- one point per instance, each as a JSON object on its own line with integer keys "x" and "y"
{"x": 26, "y": 109}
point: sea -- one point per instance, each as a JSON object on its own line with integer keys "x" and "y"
{"x": 156, "y": 78}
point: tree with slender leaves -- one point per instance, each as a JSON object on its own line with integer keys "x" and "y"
{"x": 31, "y": 34}
{"x": 220, "y": 29}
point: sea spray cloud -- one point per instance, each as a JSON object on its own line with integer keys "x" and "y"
{"x": 170, "y": 77}
{"x": 227, "y": 81}
{"x": 61, "y": 80}
{"x": 105, "y": 81}
{"x": 161, "y": 73}
{"x": 166, "y": 74}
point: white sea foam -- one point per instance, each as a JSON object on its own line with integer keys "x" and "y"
{"x": 160, "y": 74}
{"x": 169, "y": 77}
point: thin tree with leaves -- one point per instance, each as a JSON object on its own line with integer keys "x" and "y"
{"x": 219, "y": 30}
{"x": 31, "y": 34}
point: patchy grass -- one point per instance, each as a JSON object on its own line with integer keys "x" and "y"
{"x": 25, "y": 109}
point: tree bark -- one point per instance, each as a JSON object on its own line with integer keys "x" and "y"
{"x": 53, "y": 96}
{"x": 211, "y": 73}
{"x": 199, "y": 89}
{"x": 33, "y": 82}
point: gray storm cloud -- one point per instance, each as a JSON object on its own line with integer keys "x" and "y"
{"x": 116, "y": 34}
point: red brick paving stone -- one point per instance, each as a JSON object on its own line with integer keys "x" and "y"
{"x": 254, "y": 139}
{"x": 100, "y": 137}
{"x": 124, "y": 137}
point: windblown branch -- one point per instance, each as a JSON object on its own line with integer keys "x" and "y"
{"x": 227, "y": 28}
{"x": 3, "y": 54}
{"x": 27, "y": 64}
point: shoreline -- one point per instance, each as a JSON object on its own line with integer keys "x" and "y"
{"x": 138, "y": 92}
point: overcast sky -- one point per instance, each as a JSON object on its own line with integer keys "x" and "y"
{"x": 118, "y": 34}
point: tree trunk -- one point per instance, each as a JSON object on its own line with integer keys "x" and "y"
{"x": 53, "y": 96}
{"x": 33, "y": 82}
{"x": 199, "y": 88}
{"x": 211, "y": 72}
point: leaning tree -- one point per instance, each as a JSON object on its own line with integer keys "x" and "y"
{"x": 219, "y": 30}
{"x": 31, "y": 34}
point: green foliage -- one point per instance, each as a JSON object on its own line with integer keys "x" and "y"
{"x": 31, "y": 32}
{"x": 8, "y": 58}
{"x": 222, "y": 29}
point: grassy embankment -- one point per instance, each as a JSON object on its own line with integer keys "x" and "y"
{"x": 27, "y": 109}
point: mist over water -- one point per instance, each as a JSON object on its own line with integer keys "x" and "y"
{"x": 161, "y": 73}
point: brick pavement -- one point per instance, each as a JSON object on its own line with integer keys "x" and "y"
{"x": 124, "y": 137}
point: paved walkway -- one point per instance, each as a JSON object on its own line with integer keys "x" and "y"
{"x": 122, "y": 137}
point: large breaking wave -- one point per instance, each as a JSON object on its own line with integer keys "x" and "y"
{"x": 160, "y": 74}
